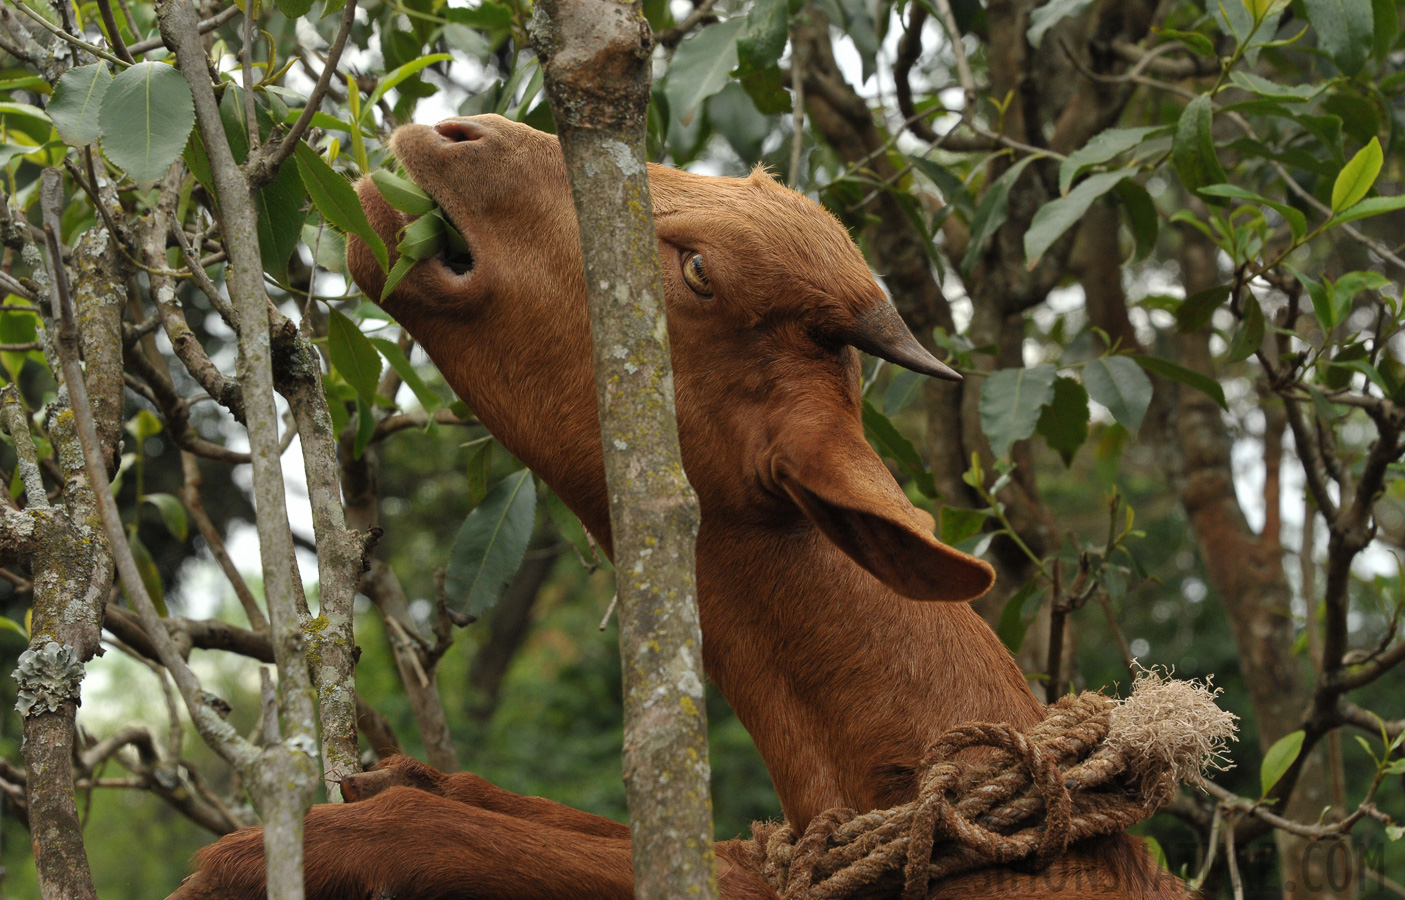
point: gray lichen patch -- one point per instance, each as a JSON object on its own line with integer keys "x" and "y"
{"x": 47, "y": 677}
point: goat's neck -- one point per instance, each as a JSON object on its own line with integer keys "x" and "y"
{"x": 842, "y": 683}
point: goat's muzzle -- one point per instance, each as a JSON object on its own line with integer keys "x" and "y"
{"x": 881, "y": 332}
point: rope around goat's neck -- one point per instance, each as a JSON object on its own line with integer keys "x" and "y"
{"x": 1038, "y": 791}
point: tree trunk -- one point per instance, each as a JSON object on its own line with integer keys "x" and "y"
{"x": 596, "y": 61}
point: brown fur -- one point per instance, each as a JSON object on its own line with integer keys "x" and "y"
{"x": 808, "y": 551}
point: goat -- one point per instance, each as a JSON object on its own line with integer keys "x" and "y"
{"x": 809, "y": 555}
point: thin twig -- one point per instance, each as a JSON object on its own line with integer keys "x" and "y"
{"x": 266, "y": 165}
{"x": 205, "y": 27}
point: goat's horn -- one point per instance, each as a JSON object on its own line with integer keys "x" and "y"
{"x": 881, "y": 332}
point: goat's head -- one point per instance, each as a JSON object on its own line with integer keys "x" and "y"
{"x": 767, "y": 296}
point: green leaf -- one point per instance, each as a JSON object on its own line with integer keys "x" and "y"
{"x": 1196, "y": 310}
{"x": 763, "y": 40}
{"x": 396, "y": 357}
{"x": 1345, "y": 289}
{"x": 1294, "y": 217}
{"x": 701, "y": 67}
{"x": 336, "y": 200}
{"x": 144, "y": 425}
{"x": 1188, "y": 377}
{"x": 1142, "y": 219}
{"x": 491, "y": 544}
{"x": 1344, "y": 29}
{"x": 77, "y": 102}
{"x": 958, "y": 524}
{"x": 1249, "y": 336}
{"x": 1011, "y": 400}
{"x": 402, "y": 193}
{"x": 354, "y": 357}
{"x": 1104, "y": 146}
{"x": 901, "y": 390}
{"x": 1050, "y": 14}
{"x": 1119, "y": 384}
{"x": 1194, "y": 41}
{"x": 399, "y": 74}
{"x": 1262, "y": 87}
{"x": 1016, "y": 615}
{"x": 423, "y": 238}
{"x": 487, "y": 16}
{"x": 1357, "y": 176}
{"x": 1371, "y": 206}
{"x": 991, "y": 212}
{"x": 279, "y": 204}
{"x": 1321, "y": 296}
{"x": 1057, "y": 216}
{"x": 146, "y": 117}
{"x": 295, "y": 9}
{"x": 1193, "y": 148}
{"x": 893, "y": 444}
{"x": 16, "y": 327}
{"x": 150, "y": 575}
{"x": 1387, "y": 27}
{"x": 398, "y": 271}
{"x": 1064, "y": 422}
{"x": 1279, "y": 758}
{"x": 8, "y": 624}
{"x": 365, "y": 428}
{"x": 172, "y": 513}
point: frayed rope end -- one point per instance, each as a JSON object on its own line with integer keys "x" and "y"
{"x": 1172, "y": 724}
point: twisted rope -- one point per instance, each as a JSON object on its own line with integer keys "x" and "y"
{"x": 1092, "y": 766}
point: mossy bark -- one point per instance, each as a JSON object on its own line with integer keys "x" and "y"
{"x": 595, "y": 57}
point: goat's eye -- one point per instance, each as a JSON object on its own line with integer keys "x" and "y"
{"x": 695, "y": 273}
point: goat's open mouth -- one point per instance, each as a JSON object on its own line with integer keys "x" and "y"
{"x": 427, "y": 231}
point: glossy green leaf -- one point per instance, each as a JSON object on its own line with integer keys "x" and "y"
{"x": 491, "y": 544}
{"x": 172, "y": 514}
{"x": 396, "y": 357}
{"x": 701, "y": 67}
{"x": 1249, "y": 336}
{"x": 1344, "y": 29}
{"x": 1118, "y": 383}
{"x": 401, "y": 73}
{"x": 397, "y": 272}
{"x": 1141, "y": 218}
{"x": 992, "y": 211}
{"x": 1059, "y": 215}
{"x": 77, "y": 103}
{"x": 763, "y": 39}
{"x": 352, "y": 354}
{"x": 1064, "y": 422}
{"x": 336, "y": 200}
{"x": 1011, "y": 400}
{"x": 1104, "y": 146}
{"x": 1386, "y": 27}
{"x": 1357, "y": 176}
{"x": 1371, "y": 206}
{"x": 1016, "y": 615}
{"x": 146, "y": 117}
{"x": 150, "y": 575}
{"x": 1279, "y": 758}
{"x": 1188, "y": 377}
{"x": 1196, "y": 310}
{"x": 891, "y": 443}
{"x": 1193, "y": 148}
{"x": 8, "y": 624}
{"x": 295, "y": 9}
{"x": 904, "y": 386}
{"x": 1297, "y": 222}
{"x": 959, "y": 524}
{"x": 402, "y": 193}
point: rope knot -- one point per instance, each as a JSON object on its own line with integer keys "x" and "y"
{"x": 1091, "y": 767}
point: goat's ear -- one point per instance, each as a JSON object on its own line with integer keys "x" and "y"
{"x": 839, "y": 482}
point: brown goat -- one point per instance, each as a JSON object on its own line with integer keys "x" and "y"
{"x": 809, "y": 555}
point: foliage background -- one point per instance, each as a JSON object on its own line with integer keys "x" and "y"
{"x": 954, "y": 164}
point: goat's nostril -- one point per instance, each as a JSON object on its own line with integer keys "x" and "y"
{"x": 461, "y": 130}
